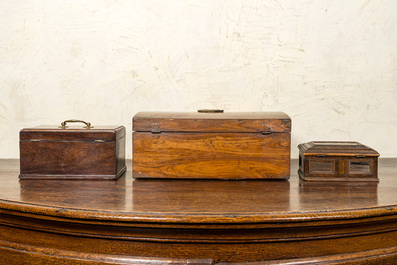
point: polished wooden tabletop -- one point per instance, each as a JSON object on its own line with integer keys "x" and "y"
{"x": 149, "y": 221}
{"x": 215, "y": 201}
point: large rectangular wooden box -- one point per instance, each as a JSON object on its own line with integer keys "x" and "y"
{"x": 206, "y": 145}
{"x": 72, "y": 152}
{"x": 337, "y": 161}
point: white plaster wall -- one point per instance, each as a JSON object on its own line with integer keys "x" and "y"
{"x": 331, "y": 65}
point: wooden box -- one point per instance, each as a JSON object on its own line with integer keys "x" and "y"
{"x": 72, "y": 152}
{"x": 337, "y": 161}
{"x": 211, "y": 145}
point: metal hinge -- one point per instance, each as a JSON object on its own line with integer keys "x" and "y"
{"x": 360, "y": 156}
{"x": 155, "y": 131}
{"x": 266, "y": 132}
{"x": 35, "y": 140}
{"x": 99, "y": 141}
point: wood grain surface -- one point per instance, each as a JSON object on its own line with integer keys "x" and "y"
{"x": 211, "y": 155}
{"x": 212, "y": 122}
{"x": 150, "y": 221}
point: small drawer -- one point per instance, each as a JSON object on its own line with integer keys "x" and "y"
{"x": 359, "y": 166}
{"x": 322, "y": 166}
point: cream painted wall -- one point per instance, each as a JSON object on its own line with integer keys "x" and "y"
{"x": 331, "y": 65}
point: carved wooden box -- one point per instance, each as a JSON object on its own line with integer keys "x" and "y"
{"x": 337, "y": 161}
{"x": 211, "y": 145}
{"x": 72, "y": 152}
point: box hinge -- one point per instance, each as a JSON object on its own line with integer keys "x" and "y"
{"x": 35, "y": 140}
{"x": 155, "y": 131}
{"x": 360, "y": 156}
{"x": 266, "y": 132}
{"x": 320, "y": 155}
{"x": 99, "y": 141}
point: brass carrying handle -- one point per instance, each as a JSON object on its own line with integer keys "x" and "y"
{"x": 210, "y": 110}
{"x": 88, "y": 125}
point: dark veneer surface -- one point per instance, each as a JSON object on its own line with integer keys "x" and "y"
{"x": 128, "y": 221}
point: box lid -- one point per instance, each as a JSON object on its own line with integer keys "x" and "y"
{"x": 72, "y": 133}
{"x": 336, "y": 148}
{"x": 211, "y": 122}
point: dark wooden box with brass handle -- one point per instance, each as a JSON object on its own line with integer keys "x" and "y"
{"x": 211, "y": 144}
{"x": 337, "y": 161}
{"x": 72, "y": 152}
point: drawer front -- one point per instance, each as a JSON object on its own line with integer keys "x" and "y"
{"x": 322, "y": 166}
{"x": 342, "y": 168}
{"x": 357, "y": 167}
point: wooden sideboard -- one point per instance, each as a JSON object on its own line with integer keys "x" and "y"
{"x": 151, "y": 221}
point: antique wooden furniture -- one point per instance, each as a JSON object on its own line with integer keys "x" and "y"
{"x": 152, "y": 221}
{"x": 72, "y": 152}
{"x": 337, "y": 161}
{"x": 211, "y": 145}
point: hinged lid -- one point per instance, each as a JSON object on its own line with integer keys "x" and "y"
{"x": 336, "y": 148}
{"x": 267, "y": 122}
{"x": 72, "y": 133}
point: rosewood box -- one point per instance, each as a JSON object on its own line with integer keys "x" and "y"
{"x": 211, "y": 145}
{"x": 337, "y": 161}
{"x": 72, "y": 152}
